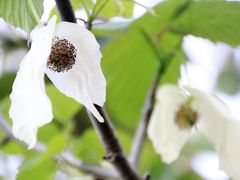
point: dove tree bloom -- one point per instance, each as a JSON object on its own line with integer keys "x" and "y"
{"x": 70, "y": 56}
{"x": 179, "y": 112}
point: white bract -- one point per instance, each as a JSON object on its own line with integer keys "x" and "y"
{"x": 9, "y": 166}
{"x": 70, "y": 56}
{"x": 180, "y": 111}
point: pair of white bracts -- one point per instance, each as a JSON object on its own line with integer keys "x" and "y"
{"x": 85, "y": 82}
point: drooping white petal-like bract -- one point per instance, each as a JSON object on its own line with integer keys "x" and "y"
{"x": 83, "y": 81}
{"x": 213, "y": 120}
{"x": 30, "y": 106}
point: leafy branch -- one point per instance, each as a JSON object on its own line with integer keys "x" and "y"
{"x": 115, "y": 154}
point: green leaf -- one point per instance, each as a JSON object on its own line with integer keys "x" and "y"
{"x": 4, "y": 107}
{"x": 212, "y": 19}
{"x": 64, "y": 108}
{"x": 78, "y": 4}
{"x": 43, "y": 166}
{"x": 49, "y": 130}
{"x": 88, "y": 147}
{"x": 19, "y": 13}
{"x": 56, "y": 145}
{"x": 37, "y": 169}
{"x": 151, "y": 162}
{"x": 54, "y": 12}
{"x": 6, "y": 82}
{"x": 172, "y": 72}
{"x": 164, "y": 13}
{"x": 215, "y": 20}
{"x": 14, "y": 148}
{"x": 113, "y": 8}
{"x": 129, "y": 72}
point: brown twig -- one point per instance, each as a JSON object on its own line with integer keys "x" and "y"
{"x": 115, "y": 154}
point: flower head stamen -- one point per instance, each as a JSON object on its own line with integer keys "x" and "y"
{"x": 186, "y": 117}
{"x": 63, "y": 55}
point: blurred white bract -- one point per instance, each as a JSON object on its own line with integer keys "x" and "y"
{"x": 179, "y": 111}
{"x": 9, "y": 166}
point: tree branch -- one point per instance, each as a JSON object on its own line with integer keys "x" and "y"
{"x": 105, "y": 131}
{"x": 65, "y": 10}
{"x": 115, "y": 154}
{"x": 68, "y": 158}
{"x": 140, "y": 134}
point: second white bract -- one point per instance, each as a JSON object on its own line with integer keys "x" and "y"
{"x": 213, "y": 120}
{"x": 81, "y": 80}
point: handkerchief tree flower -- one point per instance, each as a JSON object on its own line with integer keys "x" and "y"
{"x": 179, "y": 111}
{"x": 70, "y": 56}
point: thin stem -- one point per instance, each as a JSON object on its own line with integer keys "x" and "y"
{"x": 83, "y": 20}
{"x": 95, "y": 13}
{"x": 69, "y": 159}
{"x": 115, "y": 153}
{"x": 35, "y": 14}
{"x": 139, "y": 137}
